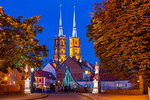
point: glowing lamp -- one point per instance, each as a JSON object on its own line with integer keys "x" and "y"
{"x": 32, "y": 69}
{"x": 5, "y": 78}
{"x": 86, "y": 72}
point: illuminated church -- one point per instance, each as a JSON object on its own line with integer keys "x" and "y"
{"x": 74, "y": 62}
{"x": 72, "y": 71}
{"x": 74, "y": 68}
{"x": 60, "y": 43}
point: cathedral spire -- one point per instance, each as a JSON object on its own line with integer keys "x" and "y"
{"x": 74, "y": 33}
{"x": 60, "y": 24}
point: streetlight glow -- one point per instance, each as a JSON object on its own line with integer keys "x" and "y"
{"x": 32, "y": 69}
{"x": 5, "y": 78}
{"x": 86, "y": 72}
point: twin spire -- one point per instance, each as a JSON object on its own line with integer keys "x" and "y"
{"x": 60, "y": 24}
{"x": 74, "y": 32}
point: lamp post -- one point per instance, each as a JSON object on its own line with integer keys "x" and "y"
{"x": 32, "y": 70}
{"x": 86, "y": 72}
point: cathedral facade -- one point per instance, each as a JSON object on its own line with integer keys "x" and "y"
{"x": 60, "y": 44}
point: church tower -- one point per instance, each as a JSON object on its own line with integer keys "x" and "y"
{"x": 60, "y": 44}
{"x": 75, "y": 49}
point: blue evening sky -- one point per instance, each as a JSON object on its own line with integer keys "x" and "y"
{"x": 49, "y": 12}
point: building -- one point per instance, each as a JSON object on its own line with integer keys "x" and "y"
{"x": 110, "y": 82}
{"x": 76, "y": 66}
{"x": 44, "y": 79}
{"x": 77, "y": 70}
{"x": 50, "y": 68}
{"x": 60, "y": 44}
{"x": 75, "y": 48}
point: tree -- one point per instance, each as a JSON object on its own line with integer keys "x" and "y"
{"x": 18, "y": 45}
{"x": 121, "y": 33}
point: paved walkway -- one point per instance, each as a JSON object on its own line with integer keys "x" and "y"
{"x": 31, "y": 96}
{"x": 41, "y": 96}
{"x": 65, "y": 96}
{"x": 115, "y": 97}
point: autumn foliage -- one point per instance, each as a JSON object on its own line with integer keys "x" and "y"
{"x": 18, "y": 45}
{"x": 120, "y": 30}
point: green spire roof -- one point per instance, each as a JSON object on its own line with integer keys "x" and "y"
{"x": 60, "y": 24}
{"x": 74, "y": 32}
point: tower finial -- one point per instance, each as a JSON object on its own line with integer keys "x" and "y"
{"x": 74, "y": 33}
{"x": 60, "y": 23}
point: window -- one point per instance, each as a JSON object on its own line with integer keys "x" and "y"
{"x": 76, "y": 42}
{"x": 121, "y": 85}
{"x": 62, "y": 52}
{"x": 75, "y": 51}
{"x": 85, "y": 77}
{"x": 40, "y": 80}
{"x": 62, "y": 43}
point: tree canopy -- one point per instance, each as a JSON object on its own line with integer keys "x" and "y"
{"x": 18, "y": 42}
{"x": 120, "y": 30}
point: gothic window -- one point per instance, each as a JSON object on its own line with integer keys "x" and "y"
{"x": 62, "y": 52}
{"x": 76, "y": 42}
{"x": 75, "y": 51}
{"x": 62, "y": 43}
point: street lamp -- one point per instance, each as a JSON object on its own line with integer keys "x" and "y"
{"x": 58, "y": 81}
{"x": 32, "y": 70}
{"x": 86, "y": 72}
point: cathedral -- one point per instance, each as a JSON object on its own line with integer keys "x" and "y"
{"x": 74, "y": 62}
{"x": 60, "y": 43}
{"x": 73, "y": 71}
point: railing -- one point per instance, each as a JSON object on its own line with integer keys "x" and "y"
{"x": 115, "y": 88}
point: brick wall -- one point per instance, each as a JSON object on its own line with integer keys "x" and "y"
{"x": 9, "y": 89}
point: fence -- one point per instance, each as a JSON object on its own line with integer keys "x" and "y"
{"x": 134, "y": 91}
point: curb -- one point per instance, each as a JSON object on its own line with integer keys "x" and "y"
{"x": 86, "y": 96}
{"x": 43, "y": 96}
